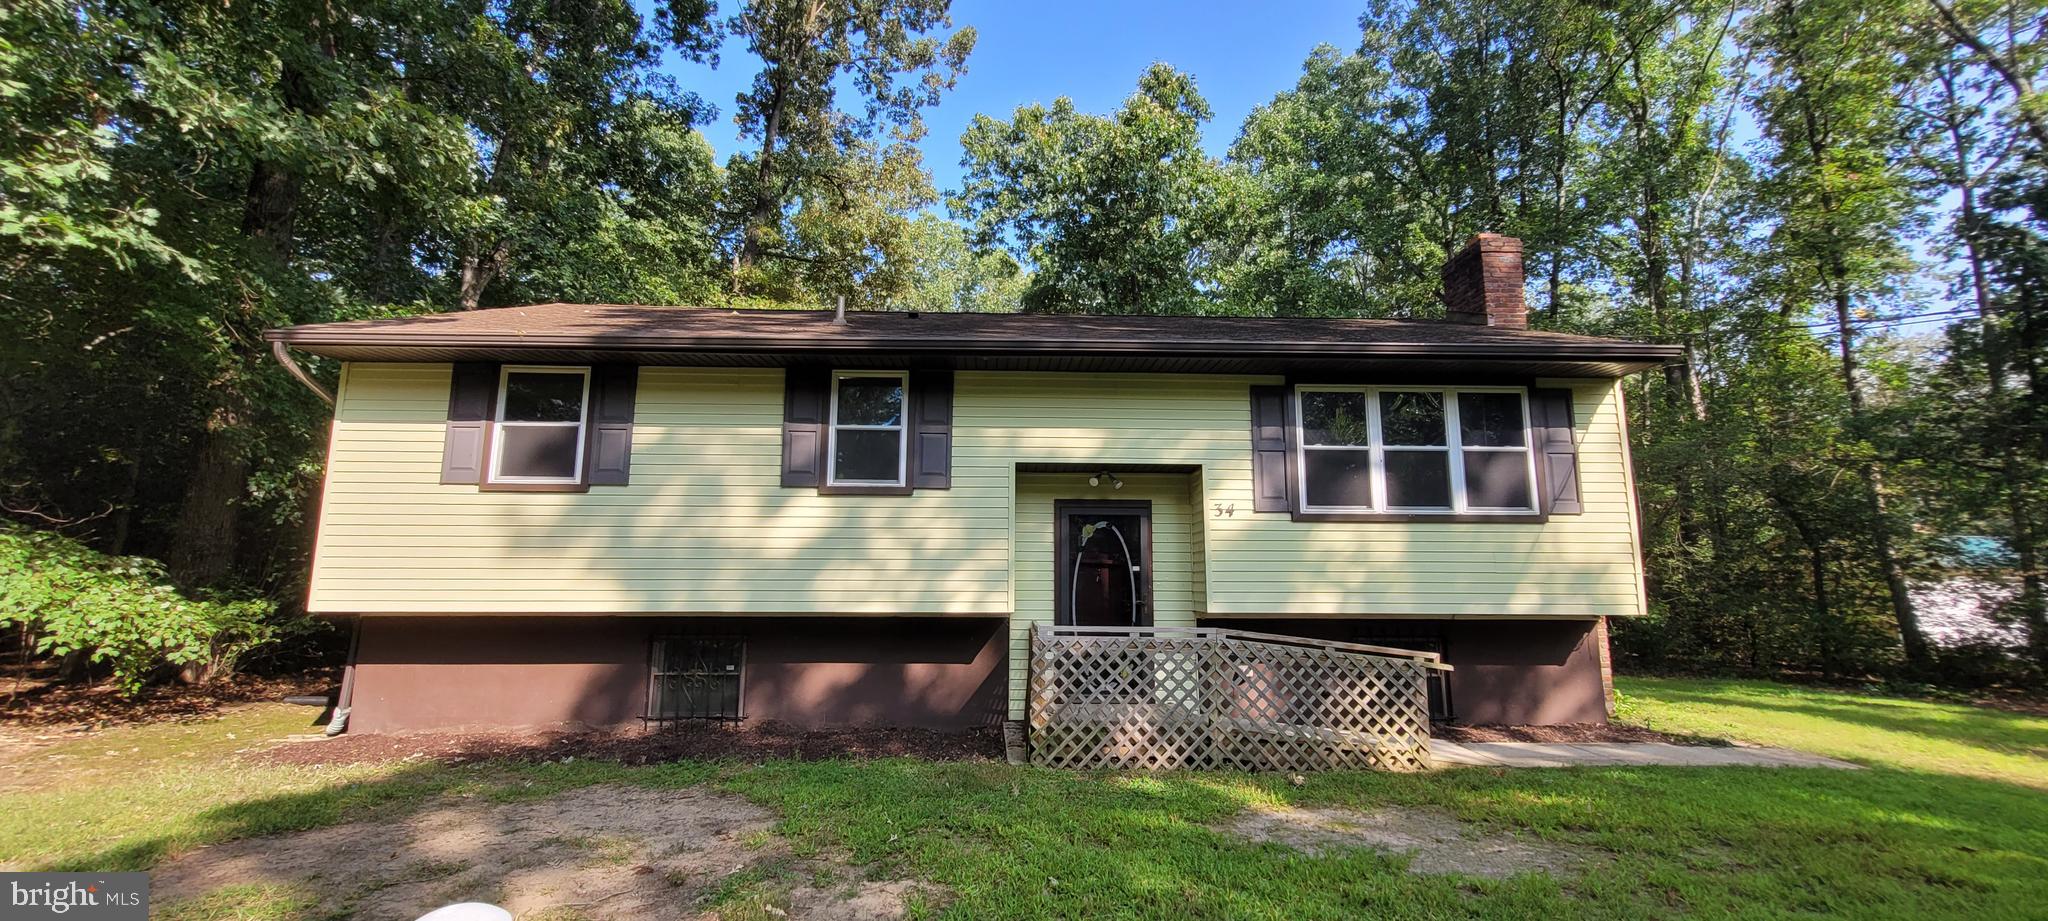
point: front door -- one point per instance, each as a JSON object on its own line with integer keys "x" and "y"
{"x": 1103, "y": 563}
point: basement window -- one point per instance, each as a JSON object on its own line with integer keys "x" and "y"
{"x": 1414, "y": 450}
{"x": 538, "y": 434}
{"x": 695, "y": 678}
{"x": 868, "y": 434}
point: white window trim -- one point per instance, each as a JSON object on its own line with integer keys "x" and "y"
{"x": 901, "y": 428}
{"x": 1378, "y": 449}
{"x": 498, "y": 421}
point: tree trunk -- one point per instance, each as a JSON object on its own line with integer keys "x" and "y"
{"x": 2016, "y": 79}
{"x": 74, "y": 665}
{"x": 203, "y": 540}
{"x": 1559, "y": 167}
{"x": 123, "y": 517}
{"x": 1822, "y": 612}
{"x": 1834, "y": 267}
{"x": 1817, "y": 572}
{"x": 2033, "y": 600}
{"x": 1914, "y": 643}
{"x": 478, "y": 270}
{"x": 767, "y": 205}
{"x": 202, "y": 552}
{"x": 1681, "y": 392}
{"x": 391, "y": 259}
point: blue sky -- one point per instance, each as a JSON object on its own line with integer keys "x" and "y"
{"x": 1240, "y": 55}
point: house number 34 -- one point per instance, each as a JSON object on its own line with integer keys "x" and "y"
{"x": 1226, "y": 511}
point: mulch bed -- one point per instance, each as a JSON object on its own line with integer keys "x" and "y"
{"x": 1568, "y": 732}
{"x": 771, "y": 740}
{"x": 686, "y": 742}
{"x": 42, "y": 704}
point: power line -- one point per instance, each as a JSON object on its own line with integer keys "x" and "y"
{"x": 1792, "y": 331}
{"x": 1871, "y": 321}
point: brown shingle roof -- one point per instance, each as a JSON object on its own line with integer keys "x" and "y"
{"x": 608, "y": 327}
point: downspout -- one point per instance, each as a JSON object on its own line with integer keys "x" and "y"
{"x": 284, "y": 358}
{"x": 338, "y": 724}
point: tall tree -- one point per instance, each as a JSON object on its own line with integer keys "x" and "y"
{"x": 950, "y": 274}
{"x": 1450, "y": 119}
{"x": 313, "y": 66}
{"x": 891, "y": 51}
{"x": 198, "y": 172}
{"x": 847, "y": 229}
{"x": 1842, "y": 207}
{"x": 2008, "y": 39}
{"x": 1109, "y": 211}
{"x": 1665, "y": 158}
{"x": 1337, "y": 209}
{"x": 1974, "y": 117}
{"x": 560, "y": 97}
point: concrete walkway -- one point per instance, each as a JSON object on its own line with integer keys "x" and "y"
{"x": 1586, "y": 754}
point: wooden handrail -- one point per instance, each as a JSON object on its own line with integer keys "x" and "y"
{"x": 1425, "y": 659}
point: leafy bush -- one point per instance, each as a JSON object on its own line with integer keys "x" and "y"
{"x": 120, "y": 610}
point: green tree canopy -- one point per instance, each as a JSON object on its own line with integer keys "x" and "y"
{"x": 1110, "y": 211}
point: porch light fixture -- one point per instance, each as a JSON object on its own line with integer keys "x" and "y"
{"x": 1097, "y": 479}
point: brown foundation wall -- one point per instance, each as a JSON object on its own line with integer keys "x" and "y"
{"x": 1507, "y": 672}
{"x": 417, "y": 673}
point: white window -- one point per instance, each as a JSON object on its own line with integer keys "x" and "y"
{"x": 1415, "y": 450}
{"x": 868, "y": 436}
{"x": 539, "y": 425}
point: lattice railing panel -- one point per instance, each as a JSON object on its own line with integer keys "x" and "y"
{"x": 1165, "y": 697}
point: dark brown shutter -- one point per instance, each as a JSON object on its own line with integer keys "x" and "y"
{"x": 931, "y": 429}
{"x": 806, "y": 397}
{"x": 613, "y": 388}
{"x": 1558, "y": 457}
{"x": 1271, "y": 489}
{"x": 472, "y": 401}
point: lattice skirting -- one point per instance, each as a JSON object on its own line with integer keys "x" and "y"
{"x": 1164, "y": 698}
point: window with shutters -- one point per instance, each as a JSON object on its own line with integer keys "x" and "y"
{"x": 1414, "y": 450}
{"x": 538, "y": 428}
{"x": 867, "y": 436}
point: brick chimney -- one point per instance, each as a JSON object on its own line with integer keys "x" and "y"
{"x": 1483, "y": 283}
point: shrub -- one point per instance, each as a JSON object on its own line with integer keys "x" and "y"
{"x": 120, "y": 610}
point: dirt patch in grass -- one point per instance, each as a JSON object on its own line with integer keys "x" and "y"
{"x": 1434, "y": 840}
{"x": 1566, "y": 732}
{"x": 816, "y": 890}
{"x": 748, "y": 741}
{"x": 48, "y": 706}
{"x": 597, "y": 852}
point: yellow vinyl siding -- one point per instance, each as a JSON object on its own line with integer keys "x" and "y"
{"x": 705, "y": 526}
{"x": 1174, "y": 537}
{"x": 1266, "y": 563}
{"x": 1571, "y": 565}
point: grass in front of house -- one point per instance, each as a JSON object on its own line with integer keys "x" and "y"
{"x": 1013, "y": 842}
{"x": 125, "y": 798}
{"x": 1920, "y": 735}
{"x": 158, "y": 788}
{"x": 1754, "y": 842}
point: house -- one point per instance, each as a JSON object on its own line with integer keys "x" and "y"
{"x": 599, "y": 515}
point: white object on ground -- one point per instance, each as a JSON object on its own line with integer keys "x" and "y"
{"x": 467, "y": 911}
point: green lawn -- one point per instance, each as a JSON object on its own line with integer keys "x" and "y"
{"x": 1950, "y": 822}
{"x": 1911, "y": 734}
